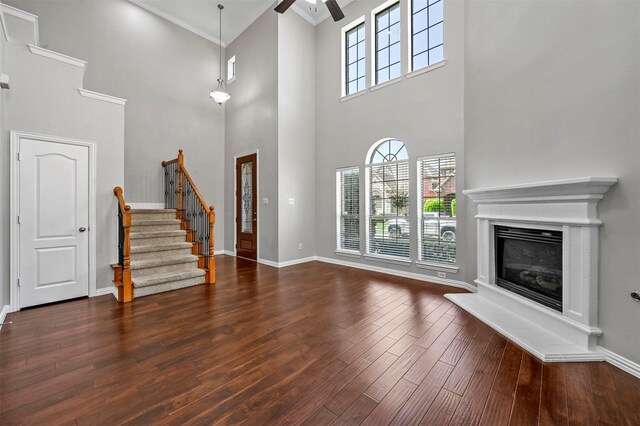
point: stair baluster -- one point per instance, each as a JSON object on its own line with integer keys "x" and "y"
{"x": 196, "y": 216}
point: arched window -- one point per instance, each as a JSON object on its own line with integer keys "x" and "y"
{"x": 388, "y": 226}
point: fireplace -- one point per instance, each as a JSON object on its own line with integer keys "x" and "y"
{"x": 529, "y": 263}
{"x": 537, "y": 265}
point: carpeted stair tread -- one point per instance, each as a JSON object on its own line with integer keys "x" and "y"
{"x": 153, "y": 222}
{"x": 168, "y": 286}
{"x": 143, "y": 211}
{"x": 157, "y": 247}
{"x": 168, "y": 277}
{"x": 154, "y": 234}
{"x": 152, "y": 263}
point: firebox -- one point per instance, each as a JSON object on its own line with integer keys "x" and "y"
{"x": 529, "y": 263}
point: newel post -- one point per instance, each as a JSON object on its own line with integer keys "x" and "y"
{"x": 180, "y": 176}
{"x": 125, "y": 292}
{"x": 211, "y": 278}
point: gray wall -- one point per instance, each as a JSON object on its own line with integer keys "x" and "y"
{"x": 44, "y": 99}
{"x": 252, "y": 126}
{"x": 552, "y": 91}
{"x": 296, "y": 137}
{"x": 425, "y": 112}
{"x": 164, "y": 71}
{"x": 4, "y": 186}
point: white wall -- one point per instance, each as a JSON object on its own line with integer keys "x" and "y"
{"x": 425, "y": 112}
{"x": 296, "y": 137}
{"x": 552, "y": 90}
{"x": 252, "y": 125}
{"x": 4, "y": 186}
{"x": 164, "y": 71}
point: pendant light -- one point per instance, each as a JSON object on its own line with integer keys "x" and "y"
{"x": 220, "y": 94}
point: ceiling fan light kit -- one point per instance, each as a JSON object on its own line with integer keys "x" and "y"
{"x": 332, "y": 5}
{"x": 220, "y": 94}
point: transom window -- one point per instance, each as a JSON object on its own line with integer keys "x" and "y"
{"x": 426, "y": 33}
{"x": 355, "y": 60}
{"x": 387, "y": 34}
{"x": 388, "y": 227}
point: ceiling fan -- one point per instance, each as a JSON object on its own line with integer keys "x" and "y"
{"x": 332, "y": 5}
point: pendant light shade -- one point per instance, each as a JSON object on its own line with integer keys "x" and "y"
{"x": 220, "y": 94}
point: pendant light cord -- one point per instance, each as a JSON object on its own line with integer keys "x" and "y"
{"x": 220, "y": 40}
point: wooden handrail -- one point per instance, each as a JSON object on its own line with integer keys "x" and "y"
{"x": 123, "y": 280}
{"x": 195, "y": 188}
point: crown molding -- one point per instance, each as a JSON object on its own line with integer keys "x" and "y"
{"x": 57, "y": 56}
{"x": 177, "y": 21}
{"x": 102, "y": 97}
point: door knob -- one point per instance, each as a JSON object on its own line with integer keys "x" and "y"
{"x": 635, "y": 295}
{"x": 82, "y": 229}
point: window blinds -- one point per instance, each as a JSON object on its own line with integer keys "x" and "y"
{"x": 348, "y": 209}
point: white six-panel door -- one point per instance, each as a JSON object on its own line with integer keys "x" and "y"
{"x": 54, "y": 221}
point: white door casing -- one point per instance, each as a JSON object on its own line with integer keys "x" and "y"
{"x": 53, "y": 200}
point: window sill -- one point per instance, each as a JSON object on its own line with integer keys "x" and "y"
{"x": 388, "y": 259}
{"x": 353, "y": 95}
{"x": 385, "y": 84}
{"x": 348, "y": 253}
{"x": 435, "y": 267}
{"x": 424, "y": 70}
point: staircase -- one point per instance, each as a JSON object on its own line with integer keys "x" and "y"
{"x": 161, "y": 258}
{"x": 165, "y": 249}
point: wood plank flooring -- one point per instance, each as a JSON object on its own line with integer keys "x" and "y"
{"x": 312, "y": 344}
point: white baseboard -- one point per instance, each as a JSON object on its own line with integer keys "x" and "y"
{"x": 6, "y": 309}
{"x": 228, "y": 252}
{"x": 112, "y": 290}
{"x": 146, "y": 205}
{"x": 412, "y": 275}
{"x": 268, "y": 262}
{"x": 287, "y": 263}
{"x": 621, "y": 362}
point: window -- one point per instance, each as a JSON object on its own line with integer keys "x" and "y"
{"x": 426, "y": 33}
{"x": 348, "y": 209}
{"x": 387, "y": 44}
{"x": 437, "y": 209}
{"x": 354, "y": 59}
{"x": 231, "y": 69}
{"x": 388, "y": 227}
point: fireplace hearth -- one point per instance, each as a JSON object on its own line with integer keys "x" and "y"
{"x": 529, "y": 263}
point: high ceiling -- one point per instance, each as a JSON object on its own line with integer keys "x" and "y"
{"x": 201, "y": 16}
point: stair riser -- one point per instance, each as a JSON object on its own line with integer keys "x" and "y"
{"x": 162, "y": 269}
{"x": 151, "y": 228}
{"x": 161, "y": 254}
{"x": 157, "y": 240}
{"x": 159, "y": 288}
{"x": 153, "y": 216}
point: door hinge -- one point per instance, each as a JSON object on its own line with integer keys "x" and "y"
{"x": 19, "y": 282}
{"x": 19, "y": 157}
{"x": 18, "y": 218}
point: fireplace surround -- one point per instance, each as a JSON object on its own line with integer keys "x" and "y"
{"x": 544, "y": 294}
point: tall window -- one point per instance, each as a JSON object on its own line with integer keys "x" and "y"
{"x": 231, "y": 69}
{"x": 388, "y": 200}
{"x": 387, "y": 33}
{"x": 437, "y": 188}
{"x": 354, "y": 59}
{"x": 426, "y": 33}
{"x": 348, "y": 209}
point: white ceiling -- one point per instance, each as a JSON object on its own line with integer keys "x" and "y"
{"x": 201, "y": 16}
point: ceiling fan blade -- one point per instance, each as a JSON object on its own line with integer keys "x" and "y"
{"x": 283, "y": 6}
{"x": 335, "y": 10}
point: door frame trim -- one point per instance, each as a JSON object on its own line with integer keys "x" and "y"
{"x": 235, "y": 201}
{"x": 14, "y": 197}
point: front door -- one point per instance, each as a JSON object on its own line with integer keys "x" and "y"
{"x": 246, "y": 207}
{"x": 54, "y": 221}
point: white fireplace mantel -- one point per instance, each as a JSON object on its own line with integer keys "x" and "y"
{"x": 570, "y": 206}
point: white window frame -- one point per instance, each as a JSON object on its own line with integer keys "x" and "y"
{"x": 231, "y": 69}
{"x": 413, "y": 72}
{"x": 343, "y": 50}
{"x": 339, "y": 215}
{"x": 373, "y": 43}
{"x": 420, "y": 203}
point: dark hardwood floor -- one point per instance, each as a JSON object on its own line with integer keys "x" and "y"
{"x": 308, "y": 344}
